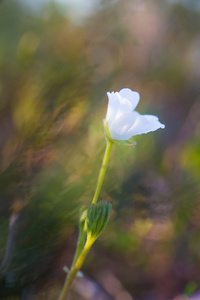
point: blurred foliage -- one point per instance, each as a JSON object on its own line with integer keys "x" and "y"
{"x": 54, "y": 75}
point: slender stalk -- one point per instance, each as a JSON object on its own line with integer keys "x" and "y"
{"x": 79, "y": 248}
{"x": 102, "y": 171}
{"x": 72, "y": 274}
{"x": 80, "y": 256}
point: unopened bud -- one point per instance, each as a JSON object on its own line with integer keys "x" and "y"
{"x": 98, "y": 215}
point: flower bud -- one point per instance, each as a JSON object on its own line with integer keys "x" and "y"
{"x": 97, "y": 218}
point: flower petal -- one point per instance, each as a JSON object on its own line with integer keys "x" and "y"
{"x": 120, "y": 127}
{"x": 123, "y": 121}
{"x": 113, "y": 104}
{"x": 125, "y": 105}
{"x": 116, "y": 107}
{"x": 133, "y": 97}
{"x": 145, "y": 124}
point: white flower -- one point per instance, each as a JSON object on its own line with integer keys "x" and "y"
{"x": 123, "y": 121}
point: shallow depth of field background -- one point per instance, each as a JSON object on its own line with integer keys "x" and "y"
{"x": 56, "y": 65}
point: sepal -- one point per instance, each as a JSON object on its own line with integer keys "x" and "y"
{"x": 106, "y": 131}
{"x": 127, "y": 143}
{"x": 82, "y": 218}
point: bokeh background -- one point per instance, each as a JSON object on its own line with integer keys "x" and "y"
{"x": 57, "y": 61}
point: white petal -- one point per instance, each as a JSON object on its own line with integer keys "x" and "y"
{"x": 113, "y": 104}
{"x": 133, "y": 97}
{"x": 120, "y": 127}
{"x": 145, "y": 124}
{"x": 125, "y": 105}
{"x": 123, "y": 121}
{"x": 117, "y": 106}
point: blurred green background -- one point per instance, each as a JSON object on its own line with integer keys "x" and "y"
{"x": 56, "y": 65}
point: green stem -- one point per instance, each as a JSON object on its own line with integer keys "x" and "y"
{"x": 103, "y": 170}
{"x": 74, "y": 269}
{"x": 80, "y": 244}
{"x": 80, "y": 256}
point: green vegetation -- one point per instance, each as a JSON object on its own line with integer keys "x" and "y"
{"x": 54, "y": 75}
